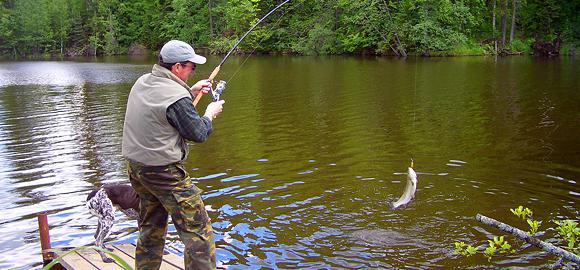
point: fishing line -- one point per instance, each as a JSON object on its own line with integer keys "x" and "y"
{"x": 414, "y": 104}
{"x": 262, "y": 40}
{"x": 415, "y": 95}
{"x": 221, "y": 84}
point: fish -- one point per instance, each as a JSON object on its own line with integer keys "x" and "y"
{"x": 410, "y": 189}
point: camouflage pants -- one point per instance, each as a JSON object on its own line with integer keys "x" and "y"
{"x": 168, "y": 190}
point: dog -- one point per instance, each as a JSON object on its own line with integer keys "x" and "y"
{"x": 102, "y": 202}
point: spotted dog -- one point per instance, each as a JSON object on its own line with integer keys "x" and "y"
{"x": 102, "y": 202}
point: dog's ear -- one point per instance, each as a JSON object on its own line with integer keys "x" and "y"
{"x": 92, "y": 194}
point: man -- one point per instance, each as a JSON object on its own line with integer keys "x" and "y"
{"x": 160, "y": 118}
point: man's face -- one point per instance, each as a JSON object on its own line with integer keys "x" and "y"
{"x": 183, "y": 70}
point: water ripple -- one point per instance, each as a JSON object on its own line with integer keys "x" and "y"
{"x": 300, "y": 170}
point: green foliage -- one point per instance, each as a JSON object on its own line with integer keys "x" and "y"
{"x": 470, "y": 250}
{"x": 433, "y": 27}
{"x": 7, "y": 41}
{"x": 186, "y": 21}
{"x": 522, "y": 212}
{"x": 141, "y": 23}
{"x": 320, "y": 41}
{"x": 464, "y": 249}
{"x": 469, "y": 47}
{"x": 490, "y": 250}
{"x": 569, "y": 231}
{"x": 32, "y": 27}
{"x": 534, "y": 225}
{"x": 569, "y": 49}
{"x": 538, "y": 16}
{"x": 363, "y": 25}
{"x": 318, "y": 30}
{"x": 498, "y": 244}
{"x": 521, "y": 46}
{"x": 222, "y": 45}
{"x": 526, "y": 214}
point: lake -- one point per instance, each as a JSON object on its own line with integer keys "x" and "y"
{"x": 307, "y": 155}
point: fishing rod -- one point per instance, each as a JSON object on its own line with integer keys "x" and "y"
{"x": 222, "y": 84}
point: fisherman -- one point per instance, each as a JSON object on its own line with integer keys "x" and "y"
{"x": 160, "y": 118}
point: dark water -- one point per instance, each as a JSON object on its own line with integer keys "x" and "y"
{"x": 306, "y": 156}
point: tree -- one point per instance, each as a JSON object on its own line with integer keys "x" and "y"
{"x": 513, "y": 28}
{"x": 539, "y": 18}
{"x": 7, "y": 39}
{"x": 60, "y": 22}
{"x": 504, "y": 15}
{"x": 435, "y": 25}
{"x": 93, "y": 27}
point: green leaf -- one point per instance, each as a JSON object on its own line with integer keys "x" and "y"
{"x": 471, "y": 250}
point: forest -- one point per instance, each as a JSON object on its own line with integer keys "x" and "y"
{"x": 306, "y": 27}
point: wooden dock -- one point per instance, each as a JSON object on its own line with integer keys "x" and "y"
{"x": 89, "y": 259}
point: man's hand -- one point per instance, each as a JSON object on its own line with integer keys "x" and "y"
{"x": 214, "y": 109}
{"x": 203, "y": 86}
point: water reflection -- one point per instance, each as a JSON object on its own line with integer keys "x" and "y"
{"x": 305, "y": 159}
{"x": 66, "y": 73}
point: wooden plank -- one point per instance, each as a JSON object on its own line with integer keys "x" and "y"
{"x": 174, "y": 260}
{"x": 92, "y": 256}
{"x": 170, "y": 261}
{"x": 74, "y": 261}
{"x": 89, "y": 259}
{"x": 126, "y": 257}
{"x": 127, "y": 249}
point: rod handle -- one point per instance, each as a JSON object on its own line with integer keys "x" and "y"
{"x": 213, "y": 74}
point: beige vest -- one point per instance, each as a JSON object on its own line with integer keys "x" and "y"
{"x": 148, "y": 137}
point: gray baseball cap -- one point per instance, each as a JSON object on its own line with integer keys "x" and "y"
{"x": 176, "y": 51}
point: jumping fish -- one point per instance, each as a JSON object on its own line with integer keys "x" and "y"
{"x": 410, "y": 189}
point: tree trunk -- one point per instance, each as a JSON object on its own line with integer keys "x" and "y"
{"x": 528, "y": 238}
{"x": 513, "y": 29}
{"x": 493, "y": 24}
{"x": 210, "y": 19}
{"x": 400, "y": 50}
{"x": 504, "y": 23}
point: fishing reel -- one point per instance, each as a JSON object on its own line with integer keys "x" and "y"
{"x": 219, "y": 89}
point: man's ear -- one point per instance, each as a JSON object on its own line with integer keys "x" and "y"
{"x": 176, "y": 68}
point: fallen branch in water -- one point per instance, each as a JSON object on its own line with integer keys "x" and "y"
{"x": 528, "y": 238}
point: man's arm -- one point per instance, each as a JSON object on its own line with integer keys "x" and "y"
{"x": 183, "y": 117}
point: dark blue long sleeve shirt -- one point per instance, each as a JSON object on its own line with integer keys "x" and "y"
{"x": 184, "y": 117}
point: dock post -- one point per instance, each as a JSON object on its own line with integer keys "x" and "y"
{"x": 43, "y": 230}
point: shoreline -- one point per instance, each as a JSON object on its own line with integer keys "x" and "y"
{"x": 412, "y": 54}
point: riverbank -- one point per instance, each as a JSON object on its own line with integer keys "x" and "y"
{"x": 517, "y": 47}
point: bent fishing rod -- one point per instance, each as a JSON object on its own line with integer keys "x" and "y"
{"x": 222, "y": 84}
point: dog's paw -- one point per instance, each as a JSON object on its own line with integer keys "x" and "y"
{"x": 107, "y": 259}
